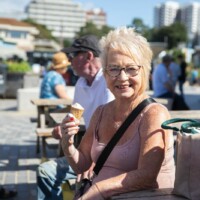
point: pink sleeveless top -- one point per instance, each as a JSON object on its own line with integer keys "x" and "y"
{"x": 124, "y": 158}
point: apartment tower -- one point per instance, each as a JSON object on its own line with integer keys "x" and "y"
{"x": 188, "y": 14}
{"x": 63, "y": 17}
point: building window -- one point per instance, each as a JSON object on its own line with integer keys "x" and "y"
{"x": 18, "y": 34}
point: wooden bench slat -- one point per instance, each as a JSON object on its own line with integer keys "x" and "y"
{"x": 52, "y": 143}
{"x": 51, "y": 102}
{"x": 44, "y": 132}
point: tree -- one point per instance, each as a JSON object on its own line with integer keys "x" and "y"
{"x": 138, "y": 24}
{"x": 141, "y": 28}
{"x": 173, "y": 34}
{"x": 91, "y": 28}
{"x": 67, "y": 43}
{"x": 44, "y": 33}
{"x": 105, "y": 29}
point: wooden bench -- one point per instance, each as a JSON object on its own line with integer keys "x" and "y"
{"x": 43, "y": 133}
{"x": 52, "y": 143}
{"x": 44, "y": 107}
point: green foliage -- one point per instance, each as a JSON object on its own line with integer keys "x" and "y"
{"x": 91, "y": 28}
{"x": 141, "y": 28}
{"x": 67, "y": 43}
{"x": 105, "y": 29}
{"x": 173, "y": 34}
{"x": 18, "y": 66}
{"x": 176, "y": 53}
{"x": 44, "y": 33}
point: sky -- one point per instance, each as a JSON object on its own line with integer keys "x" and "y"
{"x": 119, "y": 12}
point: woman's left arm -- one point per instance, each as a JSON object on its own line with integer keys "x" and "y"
{"x": 154, "y": 141}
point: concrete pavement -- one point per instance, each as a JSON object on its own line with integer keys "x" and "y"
{"x": 18, "y": 159}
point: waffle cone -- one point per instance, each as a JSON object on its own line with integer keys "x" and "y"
{"x": 77, "y": 112}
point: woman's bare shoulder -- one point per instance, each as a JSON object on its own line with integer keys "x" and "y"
{"x": 157, "y": 110}
{"x": 153, "y": 116}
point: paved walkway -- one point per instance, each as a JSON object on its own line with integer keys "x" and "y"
{"x": 18, "y": 159}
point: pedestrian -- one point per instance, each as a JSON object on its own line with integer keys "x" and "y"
{"x": 70, "y": 77}
{"x": 194, "y": 75}
{"x": 53, "y": 84}
{"x": 176, "y": 71}
{"x": 143, "y": 157}
{"x": 90, "y": 92}
{"x": 164, "y": 81}
{"x": 182, "y": 77}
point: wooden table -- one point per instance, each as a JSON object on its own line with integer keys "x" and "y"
{"x": 43, "y": 108}
{"x": 158, "y": 194}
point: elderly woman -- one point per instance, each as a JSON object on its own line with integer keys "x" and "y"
{"x": 143, "y": 157}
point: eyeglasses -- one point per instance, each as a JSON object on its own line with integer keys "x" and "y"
{"x": 74, "y": 54}
{"x": 131, "y": 70}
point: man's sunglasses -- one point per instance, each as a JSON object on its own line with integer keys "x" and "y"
{"x": 73, "y": 54}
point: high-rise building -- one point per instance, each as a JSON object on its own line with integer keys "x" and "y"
{"x": 165, "y": 14}
{"x": 189, "y": 14}
{"x": 63, "y": 17}
{"x": 96, "y": 16}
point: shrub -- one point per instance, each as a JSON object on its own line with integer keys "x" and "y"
{"x": 18, "y": 66}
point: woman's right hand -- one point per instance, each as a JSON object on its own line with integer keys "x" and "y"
{"x": 69, "y": 127}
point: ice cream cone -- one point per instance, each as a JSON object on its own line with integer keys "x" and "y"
{"x": 77, "y": 110}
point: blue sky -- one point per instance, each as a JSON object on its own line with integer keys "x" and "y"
{"x": 119, "y": 12}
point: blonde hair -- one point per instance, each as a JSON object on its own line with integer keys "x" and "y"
{"x": 128, "y": 42}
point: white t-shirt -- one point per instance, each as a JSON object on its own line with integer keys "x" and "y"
{"x": 90, "y": 97}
